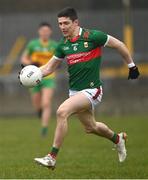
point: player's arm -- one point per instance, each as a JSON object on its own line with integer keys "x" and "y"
{"x": 25, "y": 59}
{"x": 51, "y": 66}
{"x": 122, "y": 49}
{"x": 54, "y": 62}
{"x": 26, "y": 56}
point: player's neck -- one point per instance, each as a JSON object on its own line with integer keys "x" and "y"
{"x": 75, "y": 32}
{"x": 44, "y": 41}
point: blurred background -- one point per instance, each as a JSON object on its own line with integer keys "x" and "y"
{"x": 124, "y": 19}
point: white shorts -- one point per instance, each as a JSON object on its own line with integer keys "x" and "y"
{"x": 94, "y": 95}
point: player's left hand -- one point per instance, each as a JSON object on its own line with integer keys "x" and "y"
{"x": 133, "y": 73}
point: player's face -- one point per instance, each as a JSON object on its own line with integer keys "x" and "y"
{"x": 67, "y": 26}
{"x": 44, "y": 32}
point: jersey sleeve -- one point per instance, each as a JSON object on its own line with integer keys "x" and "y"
{"x": 59, "y": 54}
{"x": 100, "y": 38}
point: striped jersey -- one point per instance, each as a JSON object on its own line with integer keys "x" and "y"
{"x": 40, "y": 52}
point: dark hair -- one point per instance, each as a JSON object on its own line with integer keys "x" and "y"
{"x": 68, "y": 12}
{"x": 42, "y": 24}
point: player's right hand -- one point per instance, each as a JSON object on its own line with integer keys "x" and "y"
{"x": 133, "y": 73}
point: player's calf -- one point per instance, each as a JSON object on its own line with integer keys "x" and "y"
{"x": 99, "y": 129}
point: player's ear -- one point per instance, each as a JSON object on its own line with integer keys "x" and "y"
{"x": 76, "y": 22}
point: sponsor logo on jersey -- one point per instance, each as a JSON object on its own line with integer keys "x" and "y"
{"x": 41, "y": 57}
{"x": 75, "y": 44}
{"x": 86, "y": 44}
{"x": 83, "y": 56}
{"x": 65, "y": 48}
{"x": 91, "y": 84}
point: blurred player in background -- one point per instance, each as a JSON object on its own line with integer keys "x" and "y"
{"x": 38, "y": 52}
{"x": 82, "y": 49}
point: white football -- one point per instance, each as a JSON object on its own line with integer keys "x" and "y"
{"x": 30, "y": 76}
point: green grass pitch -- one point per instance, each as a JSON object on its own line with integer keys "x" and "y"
{"x": 82, "y": 155}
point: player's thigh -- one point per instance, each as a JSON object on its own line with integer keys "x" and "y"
{"x": 87, "y": 119}
{"x": 75, "y": 104}
{"x": 47, "y": 94}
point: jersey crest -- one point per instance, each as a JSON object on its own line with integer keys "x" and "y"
{"x": 86, "y": 34}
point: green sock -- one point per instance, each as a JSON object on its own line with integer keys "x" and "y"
{"x": 54, "y": 152}
{"x": 44, "y": 131}
{"x": 115, "y": 138}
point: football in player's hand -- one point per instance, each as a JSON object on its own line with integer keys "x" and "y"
{"x": 30, "y": 76}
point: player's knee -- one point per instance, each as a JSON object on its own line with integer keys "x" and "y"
{"x": 45, "y": 104}
{"x": 62, "y": 112}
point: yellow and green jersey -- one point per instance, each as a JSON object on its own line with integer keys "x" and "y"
{"x": 83, "y": 55}
{"x": 40, "y": 53}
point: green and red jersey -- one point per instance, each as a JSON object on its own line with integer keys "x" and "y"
{"x": 83, "y": 55}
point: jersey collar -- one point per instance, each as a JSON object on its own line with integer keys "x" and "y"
{"x": 76, "y": 37}
{"x": 80, "y": 31}
{"x": 45, "y": 44}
